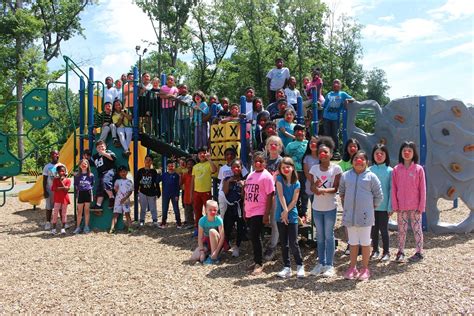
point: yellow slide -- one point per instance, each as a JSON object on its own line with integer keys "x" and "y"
{"x": 34, "y": 195}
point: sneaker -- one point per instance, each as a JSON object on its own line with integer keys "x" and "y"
{"x": 364, "y": 274}
{"x": 257, "y": 270}
{"x": 63, "y": 231}
{"x": 285, "y": 273}
{"x": 400, "y": 257}
{"x": 210, "y": 261}
{"x": 86, "y": 230}
{"x": 317, "y": 270}
{"x": 416, "y": 257}
{"x": 347, "y": 252}
{"x": 53, "y": 231}
{"x": 374, "y": 255}
{"x": 179, "y": 226}
{"x": 269, "y": 254}
{"x": 66, "y": 226}
{"x": 162, "y": 226}
{"x": 117, "y": 143}
{"x": 351, "y": 274}
{"x": 47, "y": 226}
{"x": 195, "y": 233}
{"x": 235, "y": 251}
{"x": 155, "y": 223}
{"x": 77, "y": 230}
{"x": 112, "y": 231}
{"x": 300, "y": 271}
{"x": 385, "y": 257}
{"x": 329, "y": 272}
{"x": 142, "y": 224}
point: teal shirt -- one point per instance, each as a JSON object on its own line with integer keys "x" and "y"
{"x": 207, "y": 225}
{"x": 288, "y": 128}
{"x": 296, "y": 150}
{"x": 384, "y": 173}
{"x": 288, "y": 193}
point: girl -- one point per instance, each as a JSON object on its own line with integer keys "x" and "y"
{"x": 83, "y": 185}
{"x": 122, "y": 121}
{"x": 383, "y": 171}
{"x": 200, "y": 109}
{"x": 286, "y": 126}
{"x": 60, "y": 187}
{"x": 233, "y": 188}
{"x": 274, "y": 148}
{"x": 324, "y": 178}
{"x": 288, "y": 189}
{"x": 259, "y": 189}
{"x": 409, "y": 198}
{"x": 360, "y": 193}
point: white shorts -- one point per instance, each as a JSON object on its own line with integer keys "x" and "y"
{"x": 359, "y": 235}
{"x": 122, "y": 209}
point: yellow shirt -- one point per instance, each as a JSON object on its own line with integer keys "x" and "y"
{"x": 116, "y": 117}
{"x": 202, "y": 177}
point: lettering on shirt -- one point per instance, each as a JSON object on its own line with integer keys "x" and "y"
{"x": 253, "y": 192}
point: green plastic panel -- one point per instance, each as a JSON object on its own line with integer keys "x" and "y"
{"x": 35, "y": 108}
{"x": 9, "y": 164}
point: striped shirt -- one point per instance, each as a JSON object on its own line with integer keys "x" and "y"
{"x": 184, "y": 109}
{"x": 197, "y": 114}
{"x": 167, "y": 103}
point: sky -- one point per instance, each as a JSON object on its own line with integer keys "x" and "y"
{"x": 426, "y": 47}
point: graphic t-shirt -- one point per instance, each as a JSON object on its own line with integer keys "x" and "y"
{"x": 288, "y": 193}
{"x": 333, "y": 104}
{"x": 84, "y": 182}
{"x": 202, "y": 177}
{"x": 325, "y": 202}
{"x": 273, "y": 164}
{"x": 257, "y": 187}
{"x": 124, "y": 187}
{"x": 104, "y": 164}
{"x": 207, "y": 225}
{"x": 147, "y": 182}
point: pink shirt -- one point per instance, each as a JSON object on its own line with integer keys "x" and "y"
{"x": 408, "y": 188}
{"x": 167, "y": 103}
{"x": 257, "y": 187}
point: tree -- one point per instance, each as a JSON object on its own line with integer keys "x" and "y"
{"x": 377, "y": 86}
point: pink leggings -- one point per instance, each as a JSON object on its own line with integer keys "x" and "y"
{"x": 57, "y": 207}
{"x": 415, "y": 218}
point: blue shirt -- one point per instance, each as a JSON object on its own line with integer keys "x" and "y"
{"x": 289, "y": 128}
{"x": 296, "y": 150}
{"x": 288, "y": 193}
{"x": 384, "y": 173}
{"x": 333, "y": 104}
{"x": 207, "y": 225}
{"x": 170, "y": 183}
{"x": 197, "y": 114}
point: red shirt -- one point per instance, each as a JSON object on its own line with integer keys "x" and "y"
{"x": 60, "y": 195}
{"x": 187, "y": 180}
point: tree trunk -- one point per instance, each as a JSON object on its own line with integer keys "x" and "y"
{"x": 19, "y": 91}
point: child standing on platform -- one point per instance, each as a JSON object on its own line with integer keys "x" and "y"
{"x": 286, "y": 126}
{"x": 170, "y": 181}
{"x": 83, "y": 184}
{"x": 168, "y": 93}
{"x": 409, "y": 198}
{"x": 60, "y": 187}
{"x": 200, "y": 109}
{"x": 123, "y": 188}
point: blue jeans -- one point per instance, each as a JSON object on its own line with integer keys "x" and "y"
{"x": 166, "y": 201}
{"x": 325, "y": 221}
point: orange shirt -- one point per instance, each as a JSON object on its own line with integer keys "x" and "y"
{"x": 187, "y": 180}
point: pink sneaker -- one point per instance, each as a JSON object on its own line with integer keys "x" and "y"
{"x": 364, "y": 274}
{"x": 351, "y": 274}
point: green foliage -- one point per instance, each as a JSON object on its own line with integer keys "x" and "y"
{"x": 377, "y": 86}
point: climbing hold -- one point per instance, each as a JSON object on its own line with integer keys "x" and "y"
{"x": 451, "y": 192}
{"x": 383, "y": 141}
{"x": 399, "y": 118}
{"x": 456, "y": 167}
{"x": 445, "y": 132}
{"x": 457, "y": 112}
{"x": 469, "y": 148}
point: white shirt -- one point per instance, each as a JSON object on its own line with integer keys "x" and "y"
{"x": 278, "y": 77}
{"x": 124, "y": 187}
{"x": 226, "y": 171}
{"x": 292, "y": 95}
{"x": 110, "y": 94}
{"x": 327, "y": 201}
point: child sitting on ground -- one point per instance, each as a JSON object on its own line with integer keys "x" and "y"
{"x": 123, "y": 188}
{"x": 210, "y": 236}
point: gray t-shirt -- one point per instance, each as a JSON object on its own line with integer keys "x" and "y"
{"x": 309, "y": 161}
{"x": 278, "y": 77}
{"x": 50, "y": 171}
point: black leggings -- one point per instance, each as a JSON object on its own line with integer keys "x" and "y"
{"x": 381, "y": 224}
{"x": 256, "y": 228}
{"x": 289, "y": 239}
{"x": 231, "y": 216}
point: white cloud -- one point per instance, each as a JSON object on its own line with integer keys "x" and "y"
{"x": 350, "y": 7}
{"x": 387, "y": 18}
{"x": 453, "y": 10}
{"x": 405, "y": 32}
{"x": 466, "y": 48}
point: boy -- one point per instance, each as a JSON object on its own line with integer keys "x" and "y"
{"x": 124, "y": 188}
{"x": 291, "y": 92}
{"x": 296, "y": 150}
{"x": 185, "y": 182}
{"x": 49, "y": 173}
{"x": 272, "y": 108}
{"x": 110, "y": 93}
{"x": 210, "y": 237}
{"x": 234, "y": 114}
{"x": 277, "y": 78}
{"x": 183, "y": 116}
{"x": 170, "y": 180}
{"x": 148, "y": 190}
{"x": 202, "y": 183}
{"x": 333, "y": 105}
{"x": 104, "y": 120}
{"x": 104, "y": 161}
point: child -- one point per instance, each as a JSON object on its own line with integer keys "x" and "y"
{"x": 324, "y": 179}
{"x": 170, "y": 180}
{"x": 200, "y": 109}
{"x": 147, "y": 186}
{"x": 288, "y": 189}
{"x": 123, "y": 188}
{"x": 310, "y": 159}
{"x": 123, "y": 122}
{"x": 49, "y": 173}
{"x": 282, "y": 106}
{"x": 286, "y": 126}
{"x": 104, "y": 160}
{"x": 104, "y": 120}
{"x": 296, "y": 150}
{"x": 83, "y": 185}
{"x": 210, "y": 237}
{"x": 333, "y": 105}
{"x": 260, "y": 137}
{"x": 234, "y": 114}
{"x": 233, "y": 188}
{"x": 360, "y": 193}
{"x": 186, "y": 183}
{"x": 168, "y": 93}
{"x": 225, "y": 112}
{"x": 351, "y": 146}
{"x": 183, "y": 116}
{"x": 60, "y": 187}
{"x": 381, "y": 168}
{"x": 291, "y": 92}
{"x": 277, "y": 78}
{"x": 128, "y": 92}
{"x": 409, "y": 198}
{"x": 259, "y": 189}
{"x": 201, "y": 183}
{"x": 110, "y": 93}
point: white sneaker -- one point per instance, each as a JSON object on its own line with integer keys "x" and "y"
{"x": 63, "y": 231}
{"x": 285, "y": 273}
{"x": 317, "y": 270}
{"x": 47, "y": 226}
{"x": 53, "y": 231}
{"x": 142, "y": 224}
{"x": 235, "y": 251}
{"x": 329, "y": 272}
{"x": 300, "y": 271}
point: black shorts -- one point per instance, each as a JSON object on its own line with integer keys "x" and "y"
{"x": 84, "y": 197}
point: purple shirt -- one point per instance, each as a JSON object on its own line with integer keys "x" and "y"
{"x": 84, "y": 182}
{"x": 408, "y": 188}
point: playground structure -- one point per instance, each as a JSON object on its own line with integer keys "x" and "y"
{"x": 441, "y": 128}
